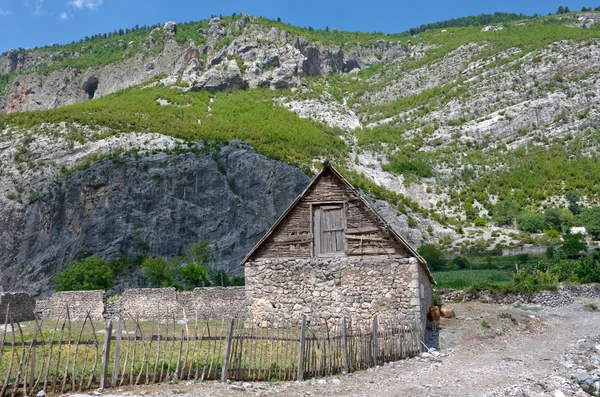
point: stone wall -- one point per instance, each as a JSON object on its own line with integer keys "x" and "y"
{"x": 331, "y": 288}
{"x": 144, "y": 304}
{"x": 78, "y": 302}
{"x": 20, "y": 305}
{"x": 150, "y": 303}
{"x": 425, "y": 290}
{"x": 218, "y": 302}
{"x": 563, "y": 296}
{"x": 214, "y": 302}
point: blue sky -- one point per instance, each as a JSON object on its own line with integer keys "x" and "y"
{"x": 29, "y": 23}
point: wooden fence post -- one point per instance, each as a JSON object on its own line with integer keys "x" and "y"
{"x": 33, "y": 352}
{"x": 300, "y": 376}
{"x": 115, "y": 373}
{"x": 374, "y": 345}
{"x": 227, "y": 351}
{"x": 345, "y": 346}
{"x": 105, "y": 354}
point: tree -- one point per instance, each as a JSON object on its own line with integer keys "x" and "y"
{"x": 561, "y": 10}
{"x": 327, "y": 28}
{"x": 531, "y": 222}
{"x": 218, "y": 278}
{"x": 196, "y": 272}
{"x": 553, "y": 218}
{"x": 433, "y": 255}
{"x": 505, "y": 212}
{"x": 194, "y": 275}
{"x": 160, "y": 272}
{"x": 572, "y": 198}
{"x": 88, "y": 274}
{"x": 572, "y": 246}
{"x": 592, "y": 221}
{"x": 199, "y": 253}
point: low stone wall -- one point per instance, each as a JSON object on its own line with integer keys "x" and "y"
{"x": 218, "y": 302}
{"x": 144, "y": 304}
{"x": 213, "y": 302}
{"x": 324, "y": 289}
{"x": 78, "y": 302}
{"x": 150, "y": 303}
{"x": 563, "y": 296}
{"x": 20, "y": 306}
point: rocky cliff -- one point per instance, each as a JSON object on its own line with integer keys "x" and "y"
{"x": 146, "y": 204}
{"x": 225, "y": 57}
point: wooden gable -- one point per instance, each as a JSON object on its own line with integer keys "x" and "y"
{"x": 331, "y": 219}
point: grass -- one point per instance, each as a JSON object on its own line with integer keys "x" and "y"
{"x": 590, "y": 307}
{"x": 141, "y": 357}
{"x": 461, "y": 279}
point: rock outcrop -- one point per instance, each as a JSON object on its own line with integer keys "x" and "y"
{"x": 154, "y": 205}
{"x": 256, "y": 56}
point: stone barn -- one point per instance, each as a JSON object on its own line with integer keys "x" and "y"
{"x": 332, "y": 255}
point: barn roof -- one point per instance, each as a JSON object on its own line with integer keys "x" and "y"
{"x": 329, "y": 168}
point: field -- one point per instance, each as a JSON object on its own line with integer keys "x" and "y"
{"x": 61, "y": 356}
{"x": 461, "y": 279}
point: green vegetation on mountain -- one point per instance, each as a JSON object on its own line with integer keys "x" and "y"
{"x": 250, "y": 116}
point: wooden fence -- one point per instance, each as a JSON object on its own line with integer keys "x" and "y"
{"x": 68, "y": 356}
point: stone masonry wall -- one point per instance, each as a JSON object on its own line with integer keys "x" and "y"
{"x": 79, "y": 303}
{"x": 20, "y": 305}
{"x": 563, "y": 296}
{"x": 144, "y": 304}
{"x": 214, "y": 302}
{"x": 329, "y": 288}
{"x": 218, "y": 302}
{"x": 425, "y": 290}
{"x": 150, "y": 303}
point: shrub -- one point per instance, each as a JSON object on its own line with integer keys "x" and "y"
{"x": 460, "y": 262}
{"x": 433, "y": 255}
{"x": 480, "y": 222}
{"x": 88, "y": 274}
{"x": 531, "y": 222}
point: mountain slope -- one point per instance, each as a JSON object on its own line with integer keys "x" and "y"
{"x": 447, "y": 126}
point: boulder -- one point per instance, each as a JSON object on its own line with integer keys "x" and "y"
{"x": 223, "y": 77}
{"x": 193, "y": 71}
{"x": 255, "y": 77}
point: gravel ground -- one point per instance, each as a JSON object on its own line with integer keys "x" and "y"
{"x": 524, "y": 351}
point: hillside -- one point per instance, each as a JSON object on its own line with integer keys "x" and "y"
{"x": 461, "y": 129}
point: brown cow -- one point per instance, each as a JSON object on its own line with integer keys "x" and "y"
{"x": 447, "y": 313}
{"x": 433, "y": 315}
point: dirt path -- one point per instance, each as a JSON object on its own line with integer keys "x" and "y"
{"x": 526, "y": 351}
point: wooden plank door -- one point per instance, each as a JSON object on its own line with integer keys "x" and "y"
{"x": 329, "y": 229}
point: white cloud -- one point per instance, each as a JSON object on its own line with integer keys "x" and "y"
{"x": 4, "y": 13}
{"x": 89, "y": 4}
{"x": 39, "y": 8}
{"x": 64, "y": 16}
